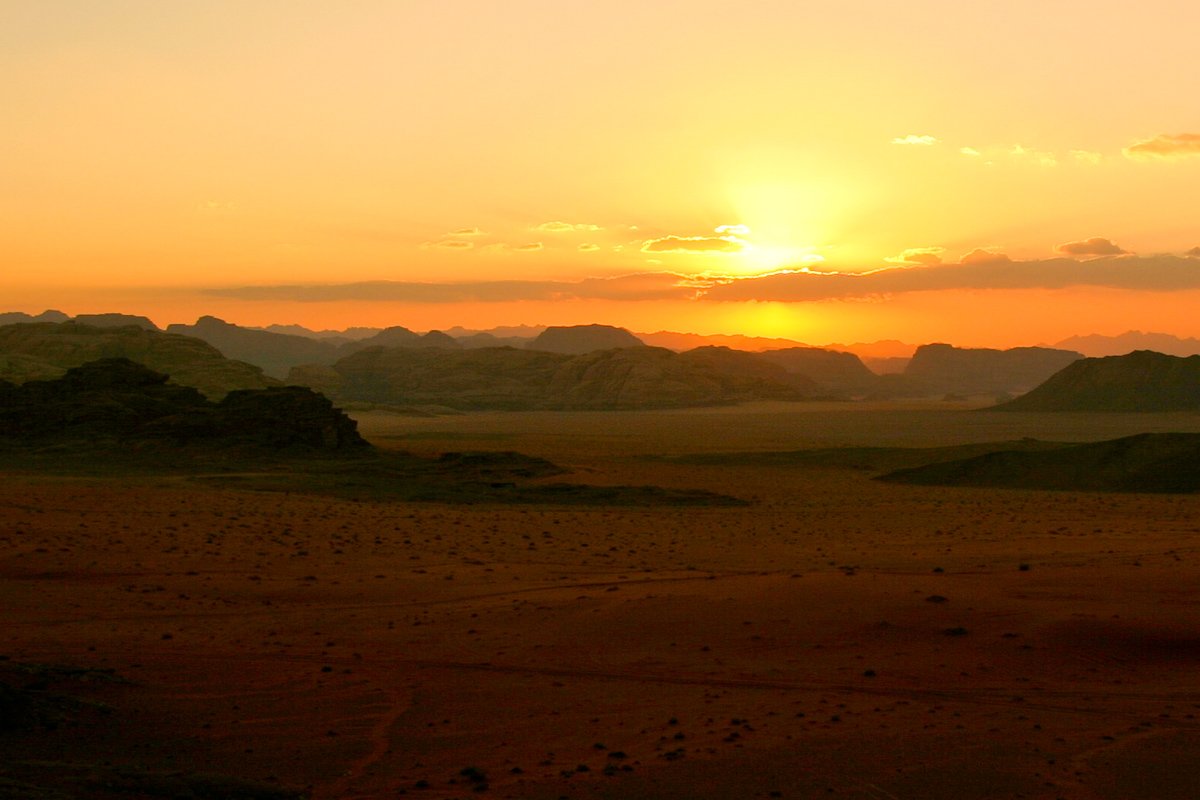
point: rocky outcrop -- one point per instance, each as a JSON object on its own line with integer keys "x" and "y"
{"x": 275, "y": 353}
{"x": 189, "y": 361}
{"x": 113, "y": 320}
{"x": 829, "y": 368}
{"x": 1140, "y": 381}
{"x": 1148, "y": 462}
{"x": 580, "y": 339}
{"x": 938, "y": 369}
{"x": 512, "y": 379}
{"x": 118, "y": 401}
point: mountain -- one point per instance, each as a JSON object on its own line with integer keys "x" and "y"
{"x": 579, "y": 339}
{"x": 440, "y": 340}
{"x": 1140, "y": 381}
{"x": 276, "y": 353}
{"x": 14, "y": 317}
{"x": 892, "y": 365}
{"x": 117, "y": 401}
{"x": 1096, "y": 345}
{"x": 44, "y": 346}
{"x": 513, "y": 379}
{"x": 884, "y": 348}
{"x": 831, "y": 369}
{"x": 942, "y": 368}
{"x": 1147, "y": 462}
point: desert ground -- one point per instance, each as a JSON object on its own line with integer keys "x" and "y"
{"x": 838, "y": 637}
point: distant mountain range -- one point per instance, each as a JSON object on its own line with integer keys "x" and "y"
{"x": 1097, "y": 346}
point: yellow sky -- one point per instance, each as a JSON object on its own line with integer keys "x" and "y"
{"x": 163, "y": 157}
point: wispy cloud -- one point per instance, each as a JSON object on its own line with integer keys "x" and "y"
{"x": 588, "y": 248}
{"x": 733, "y": 230}
{"x": 694, "y": 244}
{"x": 1165, "y": 146}
{"x": 1095, "y": 246}
{"x": 1042, "y": 158}
{"x": 467, "y": 232}
{"x": 1087, "y": 157}
{"x": 641, "y": 286}
{"x": 449, "y": 244}
{"x": 565, "y": 227}
{"x": 978, "y": 270}
{"x": 528, "y": 247}
{"x": 912, "y": 138}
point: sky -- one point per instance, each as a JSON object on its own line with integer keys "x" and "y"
{"x": 989, "y": 174}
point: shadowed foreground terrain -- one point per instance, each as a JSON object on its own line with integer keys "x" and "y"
{"x": 840, "y": 637}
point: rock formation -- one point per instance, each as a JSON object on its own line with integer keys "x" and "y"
{"x": 189, "y": 361}
{"x": 938, "y": 369}
{"x": 580, "y": 339}
{"x": 118, "y": 401}
{"x": 276, "y": 353}
{"x": 829, "y": 368}
{"x": 1140, "y": 381}
{"x": 512, "y": 379}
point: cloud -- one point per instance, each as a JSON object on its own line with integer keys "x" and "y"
{"x": 450, "y": 244}
{"x": 1193, "y": 253}
{"x": 1165, "y": 146}
{"x": 969, "y": 151}
{"x": 694, "y": 244}
{"x": 733, "y": 230}
{"x": 467, "y": 232}
{"x": 640, "y": 286}
{"x": 1091, "y": 247}
{"x": 1086, "y": 157}
{"x": 919, "y": 255}
{"x": 983, "y": 256}
{"x": 588, "y": 248}
{"x": 984, "y": 271}
{"x": 979, "y": 270}
{"x": 528, "y": 247}
{"x": 564, "y": 227}
{"x": 914, "y": 139}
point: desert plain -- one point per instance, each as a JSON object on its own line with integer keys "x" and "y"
{"x": 834, "y": 637}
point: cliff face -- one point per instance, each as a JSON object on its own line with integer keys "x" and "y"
{"x": 942, "y": 368}
{"x": 508, "y": 378}
{"x": 830, "y": 368}
{"x": 1140, "y": 381}
{"x": 39, "y": 350}
{"x": 580, "y": 339}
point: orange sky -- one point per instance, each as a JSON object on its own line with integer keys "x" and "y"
{"x": 177, "y": 159}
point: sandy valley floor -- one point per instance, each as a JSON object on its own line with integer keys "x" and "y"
{"x": 838, "y": 638}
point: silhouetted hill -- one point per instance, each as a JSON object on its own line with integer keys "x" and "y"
{"x": 941, "y": 368}
{"x": 440, "y": 340}
{"x": 831, "y": 369}
{"x": 1140, "y": 381}
{"x": 337, "y": 337}
{"x": 40, "y": 349}
{"x": 117, "y": 401}
{"x": 115, "y": 321}
{"x": 512, "y": 379}
{"x": 1147, "y": 462}
{"x": 580, "y": 339}
{"x": 1097, "y": 346}
{"x": 276, "y": 353}
{"x": 14, "y": 317}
